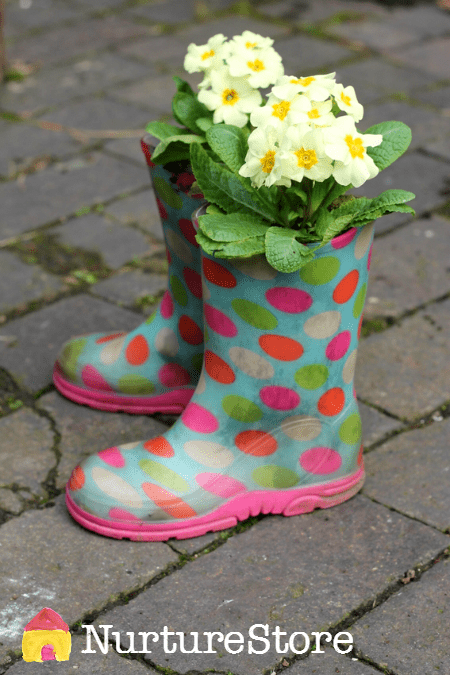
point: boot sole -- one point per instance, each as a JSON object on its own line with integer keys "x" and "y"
{"x": 173, "y": 402}
{"x": 291, "y": 502}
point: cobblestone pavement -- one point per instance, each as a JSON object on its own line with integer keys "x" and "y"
{"x": 81, "y": 250}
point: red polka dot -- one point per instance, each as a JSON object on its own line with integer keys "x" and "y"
{"x": 121, "y": 514}
{"x": 168, "y": 502}
{"x": 189, "y": 331}
{"x": 289, "y": 300}
{"x": 137, "y": 351}
{"x": 281, "y": 348}
{"x": 331, "y": 402}
{"x": 360, "y": 455}
{"x": 113, "y": 457}
{"x": 338, "y": 346}
{"x": 77, "y": 478}
{"x": 279, "y": 398}
{"x": 107, "y": 338}
{"x": 217, "y": 274}
{"x": 162, "y": 209}
{"x": 369, "y": 257}
{"x": 159, "y": 446}
{"x": 193, "y": 282}
{"x": 320, "y": 461}
{"x": 221, "y": 486}
{"x": 359, "y": 327}
{"x": 184, "y": 181}
{"x": 92, "y": 379}
{"x": 344, "y": 239}
{"x": 197, "y": 418}
{"x": 173, "y": 375}
{"x": 168, "y": 256}
{"x": 166, "y": 306}
{"x": 346, "y": 287}
{"x": 188, "y": 231}
{"x": 218, "y": 369}
{"x": 219, "y": 322}
{"x": 147, "y": 153}
{"x": 256, "y": 443}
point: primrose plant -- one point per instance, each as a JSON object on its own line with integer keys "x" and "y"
{"x": 275, "y": 169}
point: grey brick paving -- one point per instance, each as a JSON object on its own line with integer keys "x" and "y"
{"x": 315, "y": 54}
{"x": 375, "y": 425}
{"x": 171, "y": 12}
{"x": 23, "y": 283}
{"x": 20, "y": 19}
{"x": 126, "y": 147}
{"x": 10, "y": 501}
{"x": 154, "y": 93}
{"x": 140, "y": 209}
{"x": 317, "y": 10}
{"x": 298, "y": 573}
{"x": 330, "y": 663}
{"x": 74, "y": 571}
{"x": 430, "y": 58}
{"x": 129, "y": 287}
{"x": 367, "y": 33}
{"x": 29, "y": 345}
{"x": 409, "y": 632}
{"x": 100, "y": 114}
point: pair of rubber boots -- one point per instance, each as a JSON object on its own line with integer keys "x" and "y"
{"x": 273, "y": 425}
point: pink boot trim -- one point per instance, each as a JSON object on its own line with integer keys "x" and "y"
{"x": 172, "y": 402}
{"x": 290, "y": 502}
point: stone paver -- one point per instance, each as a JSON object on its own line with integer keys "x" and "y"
{"x": 26, "y": 442}
{"x": 375, "y": 425}
{"x": 85, "y": 431}
{"x": 409, "y": 267}
{"x": 99, "y": 114}
{"x": 154, "y": 93}
{"x": 427, "y": 19}
{"x": 29, "y": 345}
{"x": 316, "y": 54}
{"x": 280, "y": 572}
{"x": 127, "y": 288}
{"x": 74, "y": 572}
{"x": 10, "y": 501}
{"x": 129, "y": 148}
{"x": 430, "y": 58}
{"x": 422, "y": 457}
{"x": 318, "y": 10}
{"x": 171, "y": 12}
{"x": 408, "y": 633}
{"x": 368, "y": 33}
{"x": 403, "y": 370}
{"x": 23, "y": 283}
{"x": 329, "y": 663}
{"x": 140, "y": 209}
{"x": 437, "y": 97}
{"x": 20, "y": 19}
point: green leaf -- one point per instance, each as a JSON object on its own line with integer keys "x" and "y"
{"x": 396, "y": 140}
{"x": 242, "y": 249}
{"x": 182, "y": 85}
{"x": 284, "y": 252}
{"x": 162, "y": 130}
{"x": 175, "y": 148}
{"x": 232, "y": 227}
{"x": 187, "y": 109}
{"x": 204, "y": 123}
{"x": 229, "y": 143}
{"x": 207, "y": 245}
{"x": 387, "y": 202}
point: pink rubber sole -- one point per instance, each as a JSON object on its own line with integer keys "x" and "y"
{"x": 290, "y": 502}
{"x": 173, "y": 402}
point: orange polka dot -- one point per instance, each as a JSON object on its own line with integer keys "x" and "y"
{"x": 217, "y": 274}
{"x": 165, "y": 500}
{"x": 281, "y": 348}
{"x": 346, "y": 287}
{"x": 137, "y": 351}
{"x": 218, "y": 369}
{"x": 331, "y": 402}
{"x": 159, "y": 446}
{"x": 107, "y": 338}
{"x": 76, "y": 480}
{"x": 359, "y": 327}
{"x": 189, "y": 331}
{"x": 256, "y": 443}
{"x": 360, "y": 455}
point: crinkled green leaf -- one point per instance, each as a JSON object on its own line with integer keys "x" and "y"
{"x": 242, "y": 249}
{"x": 229, "y": 143}
{"x": 187, "y": 109}
{"x": 182, "y": 85}
{"x": 284, "y": 252}
{"x": 162, "y": 130}
{"x": 207, "y": 245}
{"x": 204, "y": 123}
{"x": 388, "y": 201}
{"x": 232, "y": 227}
{"x": 396, "y": 140}
{"x": 175, "y": 148}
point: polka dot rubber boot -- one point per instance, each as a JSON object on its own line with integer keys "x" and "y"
{"x": 273, "y": 426}
{"x": 155, "y": 367}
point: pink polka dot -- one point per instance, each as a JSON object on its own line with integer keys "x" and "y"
{"x": 173, "y": 375}
{"x": 344, "y": 239}
{"x": 193, "y": 282}
{"x": 320, "y": 460}
{"x": 197, "y": 418}
{"x": 369, "y": 257}
{"x": 113, "y": 457}
{"x": 338, "y": 346}
{"x": 92, "y": 378}
{"x": 290, "y": 300}
{"x": 166, "y": 306}
{"x": 188, "y": 230}
{"x": 279, "y": 398}
{"x": 121, "y": 514}
{"x": 222, "y": 486}
{"x": 219, "y": 322}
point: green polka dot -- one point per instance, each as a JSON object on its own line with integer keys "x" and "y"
{"x": 241, "y": 409}
{"x": 197, "y": 361}
{"x": 272, "y": 476}
{"x": 70, "y": 356}
{"x": 320, "y": 271}
{"x": 178, "y": 290}
{"x": 151, "y": 318}
{"x": 135, "y": 384}
{"x": 350, "y": 429}
{"x": 205, "y": 334}
{"x": 359, "y": 301}
{"x": 162, "y": 474}
{"x": 311, "y": 377}
{"x": 167, "y": 194}
{"x": 254, "y": 314}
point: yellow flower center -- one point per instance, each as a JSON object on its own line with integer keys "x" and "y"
{"x": 345, "y": 99}
{"x": 230, "y": 96}
{"x": 250, "y": 45}
{"x": 306, "y": 158}
{"x": 281, "y": 109}
{"x": 355, "y": 145}
{"x": 304, "y": 81}
{"x": 256, "y": 65}
{"x": 314, "y": 114}
{"x": 268, "y": 161}
{"x": 207, "y": 55}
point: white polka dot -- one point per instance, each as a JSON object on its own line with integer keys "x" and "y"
{"x": 301, "y": 427}
{"x": 201, "y": 384}
{"x": 256, "y": 267}
{"x": 322, "y": 325}
{"x": 179, "y": 246}
{"x": 363, "y": 241}
{"x": 129, "y": 446}
{"x": 111, "y": 351}
{"x": 166, "y": 342}
{"x": 251, "y": 364}
{"x": 209, "y": 454}
{"x": 116, "y": 487}
{"x": 348, "y": 370}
